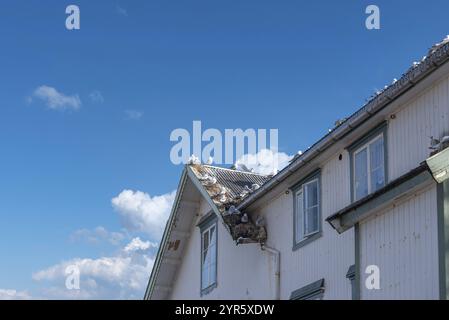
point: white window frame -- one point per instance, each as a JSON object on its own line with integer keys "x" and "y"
{"x": 367, "y": 146}
{"x": 209, "y": 284}
{"x": 300, "y": 212}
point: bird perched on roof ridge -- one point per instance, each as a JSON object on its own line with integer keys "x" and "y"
{"x": 193, "y": 160}
{"x": 438, "y": 45}
{"x": 243, "y": 167}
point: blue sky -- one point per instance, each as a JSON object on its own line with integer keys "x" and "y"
{"x": 136, "y": 70}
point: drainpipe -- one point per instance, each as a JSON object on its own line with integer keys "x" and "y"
{"x": 277, "y": 270}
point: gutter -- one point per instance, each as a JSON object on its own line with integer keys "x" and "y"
{"x": 277, "y": 269}
{"x": 382, "y": 100}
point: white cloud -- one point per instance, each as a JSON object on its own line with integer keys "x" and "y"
{"x": 133, "y": 114}
{"x": 138, "y": 245}
{"x": 121, "y": 11}
{"x": 265, "y": 161}
{"x": 121, "y": 276}
{"x": 97, "y": 235}
{"x": 9, "y": 294}
{"x": 56, "y": 100}
{"x": 141, "y": 212}
{"x": 96, "y": 97}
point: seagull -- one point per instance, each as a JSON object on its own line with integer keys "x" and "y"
{"x": 194, "y": 160}
{"x": 255, "y": 186}
{"x": 439, "y": 44}
{"x": 260, "y": 221}
{"x": 233, "y": 210}
{"x": 243, "y": 194}
{"x": 244, "y": 167}
{"x": 436, "y": 144}
{"x": 207, "y": 179}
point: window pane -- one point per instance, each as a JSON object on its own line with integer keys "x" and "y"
{"x": 299, "y": 217}
{"x": 213, "y": 265}
{"x": 205, "y": 245}
{"x": 205, "y": 277}
{"x": 212, "y": 235}
{"x": 360, "y": 174}
{"x": 312, "y": 194}
{"x": 377, "y": 164}
{"x": 312, "y": 220}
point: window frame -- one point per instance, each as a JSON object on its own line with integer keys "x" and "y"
{"x": 367, "y": 147}
{"x": 362, "y": 143}
{"x": 298, "y": 190}
{"x": 205, "y": 227}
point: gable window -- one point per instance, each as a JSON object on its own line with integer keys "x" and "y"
{"x": 307, "y": 213}
{"x": 208, "y": 256}
{"x": 369, "y": 167}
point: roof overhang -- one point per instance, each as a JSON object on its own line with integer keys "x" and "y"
{"x": 392, "y": 193}
{"x": 439, "y": 165}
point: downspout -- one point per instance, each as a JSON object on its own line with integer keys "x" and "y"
{"x": 277, "y": 270}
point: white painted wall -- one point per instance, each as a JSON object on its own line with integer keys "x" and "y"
{"x": 243, "y": 272}
{"x": 403, "y": 242}
{"x": 328, "y": 257}
{"x": 409, "y": 133}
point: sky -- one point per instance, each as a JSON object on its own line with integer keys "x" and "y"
{"x": 86, "y": 115}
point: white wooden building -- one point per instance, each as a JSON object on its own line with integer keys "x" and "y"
{"x": 369, "y": 193}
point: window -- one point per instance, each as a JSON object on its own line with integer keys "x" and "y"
{"x": 313, "y": 291}
{"x": 208, "y": 258}
{"x": 369, "y": 167}
{"x": 307, "y": 213}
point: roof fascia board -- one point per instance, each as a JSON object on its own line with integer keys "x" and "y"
{"x": 165, "y": 237}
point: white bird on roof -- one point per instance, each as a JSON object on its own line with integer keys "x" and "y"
{"x": 243, "y": 167}
{"x": 193, "y": 160}
{"x": 439, "y": 144}
{"x": 233, "y": 210}
{"x": 438, "y": 45}
{"x": 255, "y": 186}
{"x": 248, "y": 189}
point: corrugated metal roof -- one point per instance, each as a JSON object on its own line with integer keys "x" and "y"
{"x": 226, "y": 186}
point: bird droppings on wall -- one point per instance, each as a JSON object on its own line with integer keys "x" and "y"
{"x": 227, "y": 188}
